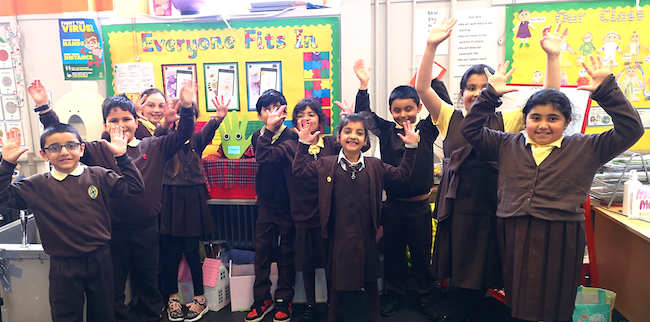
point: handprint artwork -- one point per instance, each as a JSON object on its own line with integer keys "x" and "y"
{"x": 232, "y": 132}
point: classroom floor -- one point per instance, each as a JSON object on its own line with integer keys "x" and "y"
{"x": 355, "y": 311}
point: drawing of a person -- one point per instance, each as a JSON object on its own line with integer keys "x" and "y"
{"x": 564, "y": 81}
{"x": 564, "y": 47}
{"x": 634, "y": 47}
{"x": 586, "y": 48}
{"x": 523, "y": 31}
{"x": 629, "y": 82}
{"x": 583, "y": 79}
{"x": 91, "y": 48}
{"x": 537, "y": 77}
{"x": 610, "y": 47}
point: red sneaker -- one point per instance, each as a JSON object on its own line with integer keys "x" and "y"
{"x": 282, "y": 311}
{"x": 259, "y": 310}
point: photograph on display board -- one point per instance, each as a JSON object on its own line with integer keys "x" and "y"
{"x": 10, "y": 109}
{"x": 221, "y": 79}
{"x": 5, "y": 55}
{"x": 261, "y": 76}
{"x": 7, "y": 81}
{"x": 18, "y": 127}
{"x": 174, "y": 75}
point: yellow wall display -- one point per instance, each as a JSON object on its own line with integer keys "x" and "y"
{"x": 615, "y": 30}
{"x": 299, "y": 57}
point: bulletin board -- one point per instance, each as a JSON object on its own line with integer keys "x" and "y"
{"x": 614, "y": 30}
{"x": 299, "y": 57}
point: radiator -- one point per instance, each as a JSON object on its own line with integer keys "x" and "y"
{"x": 235, "y": 220}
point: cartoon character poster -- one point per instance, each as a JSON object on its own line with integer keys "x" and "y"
{"x": 612, "y": 31}
{"x": 81, "y": 49}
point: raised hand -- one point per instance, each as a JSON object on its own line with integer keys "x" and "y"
{"x": 362, "y": 72}
{"x": 11, "y": 149}
{"x": 187, "y": 94}
{"x": 304, "y": 131}
{"x": 170, "y": 113}
{"x": 275, "y": 118}
{"x": 38, "y": 92}
{"x": 500, "y": 78}
{"x": 117, "y": 146}
{"x": 598, "y": 72}
{"x": 440, "y": 31}
{"x": 552, "y": 42}
{"x": 222, "y": 108}
{"x": 139, "y": 104}
{"x": 345, "y": 108}
{"x": 410, "y": 136}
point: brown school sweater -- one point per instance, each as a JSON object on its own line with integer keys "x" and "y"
{"x": 556, "y": 189}
{"x": 150, "y": 156}
{"x": 72, "y": 215}
{"x": 303, "y": 192}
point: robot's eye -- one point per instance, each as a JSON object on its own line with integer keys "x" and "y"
{"x": 238, "y": 136}
{"x": 226, "y": 136}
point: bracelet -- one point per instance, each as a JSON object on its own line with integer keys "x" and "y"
{"x": 42, "y": 108}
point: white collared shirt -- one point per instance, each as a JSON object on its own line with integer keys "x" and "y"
{"x": 276, "y": 134}
{"x": 344, "y": 165}
{"x": 58, "y": 175}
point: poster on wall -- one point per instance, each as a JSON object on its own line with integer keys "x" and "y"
{"x": 261, "y": 76}
{"x": 174, "y": 76}
{"x": 81, "y": 49}
{"x": 616, "y": 32}
{"x": 5, "y": 54}
{"x": 221, "y": 80}
{"x": 18, "y": 127}
{"x": 9, "y": 108}
{"x": 134, "y": 77}
{"x": 305, "y": 52}
{"x": 7, "y": 81}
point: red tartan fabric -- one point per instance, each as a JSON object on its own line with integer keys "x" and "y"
{"x": 229, "y": 173}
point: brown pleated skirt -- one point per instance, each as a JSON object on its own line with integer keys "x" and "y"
{"x": 310, "y": 249}
{"x": 185, "y": 211}
{"x": 466, "y": 251}
{"x": 542, "y": 261}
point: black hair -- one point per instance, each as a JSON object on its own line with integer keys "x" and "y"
{"x": 119, "y": 101}
{"x": 550, "y": 96}
{"x": 269, "y": 97}
{"x": 58, "y": 128}
{"x": 302, "y": 105}
{"x": 404, "y": 92}
{"x": 478, "y": 69}
{"x": 152, "y": 91}
{"x": 362, "y": 117}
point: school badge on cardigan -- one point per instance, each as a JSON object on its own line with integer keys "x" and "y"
{"x": 93, "y": 192}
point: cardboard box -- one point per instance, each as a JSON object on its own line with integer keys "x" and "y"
{"x": 216, "y": 284}
{"x": 242, "y": 278}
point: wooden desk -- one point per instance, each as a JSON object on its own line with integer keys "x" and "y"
{"x": 623, "y": 251}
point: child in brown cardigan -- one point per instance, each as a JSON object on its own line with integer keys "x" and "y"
{"x": 349, "y": 199}
{"x": 544, "y": 178}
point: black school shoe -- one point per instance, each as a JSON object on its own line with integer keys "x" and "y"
{"x": 391, "y": 305}
{"x": 308, "y": 314}
{"x": 429, "y": 311}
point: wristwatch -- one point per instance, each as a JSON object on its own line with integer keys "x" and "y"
{"x": 42, "y": 108}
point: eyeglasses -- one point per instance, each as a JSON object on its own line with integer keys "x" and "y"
{"x": 70, "y": 146}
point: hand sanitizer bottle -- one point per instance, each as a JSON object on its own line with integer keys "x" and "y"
{"x": 629, "y": 188}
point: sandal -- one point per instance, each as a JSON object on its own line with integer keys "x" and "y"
{"x": 196, "y": 310}
{"x": 175, "y": 310}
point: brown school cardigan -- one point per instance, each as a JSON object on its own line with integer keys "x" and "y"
{"x": 556, "y": 189}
